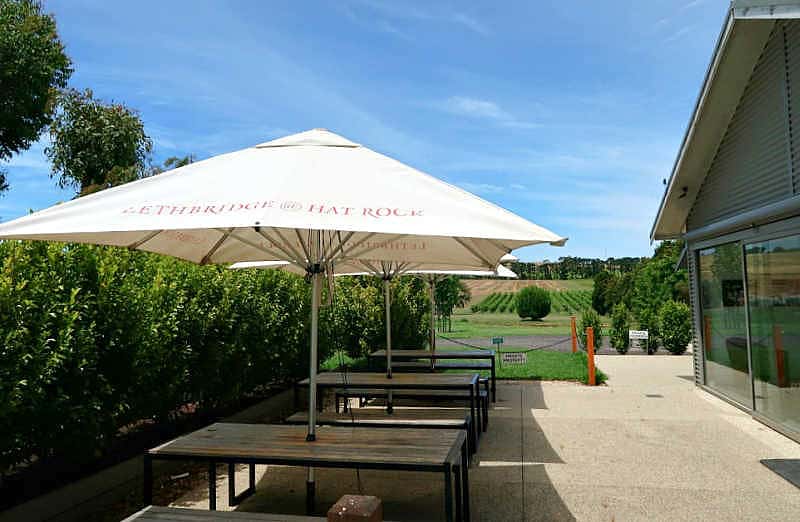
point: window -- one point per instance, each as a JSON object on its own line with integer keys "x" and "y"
{"x": 773, "y": 279}
{"x": 724, "y": 321}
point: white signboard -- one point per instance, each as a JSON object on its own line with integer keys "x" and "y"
{"x": 514, "y": 357}
{"x": 638, "y": 334}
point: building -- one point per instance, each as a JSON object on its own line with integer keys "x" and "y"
{"x": 734, "y": 197}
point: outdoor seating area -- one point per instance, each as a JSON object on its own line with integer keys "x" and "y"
{"x": 396, "y": 438}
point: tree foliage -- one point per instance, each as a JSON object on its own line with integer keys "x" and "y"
{"x": 93, "y": 339}
{"x": 675, "y": 320}
{"x": 33, "y": 66}
{"x": 96, "y": 145}
{"x": 620, "y": 325}
{"x": 533, "y": 303}
{"x": 590, "y": 318}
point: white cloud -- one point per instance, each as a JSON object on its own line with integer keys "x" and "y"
{"x": 483, "y": 109}
{"x": 475, "y": 108}
{"x": 406, "y": 12}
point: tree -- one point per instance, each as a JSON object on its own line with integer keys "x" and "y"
{"x": 533, "y": 302}
{"x": 96, "y": 145}
{"x": 657, "y": 281}
{"x": 675, "y": 320}
{"x": 32, "y": 67}
{"x": 604, "y": 283}
{"x": 620, "y": 324}
{"x": 590, "y": 318}
{"x": 173, "y": 162}
{"x": 451, "y": 293}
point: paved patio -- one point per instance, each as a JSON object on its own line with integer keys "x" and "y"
{"x": 648, "y": 446}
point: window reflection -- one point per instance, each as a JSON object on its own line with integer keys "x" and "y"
{"x": 773, "y": 277}
{"x": 724, "y": 321}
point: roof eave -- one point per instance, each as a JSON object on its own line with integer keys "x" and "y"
{"x": 747, "y": 27}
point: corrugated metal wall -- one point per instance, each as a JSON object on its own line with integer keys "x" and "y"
{"x": 792, "y": 41}
{"x": 694, "y": 302}
{"x": 752, "y": 165}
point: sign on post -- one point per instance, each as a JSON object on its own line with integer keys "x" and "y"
{"x": 639, "y": 337}
{"x": 514, "y": 357}
{"x": 497, "y": 342}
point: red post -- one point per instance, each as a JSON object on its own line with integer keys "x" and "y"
{"x": 574, "y": 335}
{"x": 590, "y": 354}
{"x": 780, "y": 362}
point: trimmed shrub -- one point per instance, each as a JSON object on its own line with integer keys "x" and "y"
{"x": 94, "y": 339}
{"x": 620, "y": 324}
{"x": 590, "y": 318}
{"x": 675, "y": 322}
{"x": 533, "y": 302}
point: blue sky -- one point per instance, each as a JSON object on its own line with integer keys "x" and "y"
{"x": 569, "y": 113}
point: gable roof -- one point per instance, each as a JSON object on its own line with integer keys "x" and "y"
{"x": 745, "y": 32}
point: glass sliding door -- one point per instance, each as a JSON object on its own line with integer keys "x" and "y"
{"x": 773, "y": 279}
{"x": 724, "y": 321}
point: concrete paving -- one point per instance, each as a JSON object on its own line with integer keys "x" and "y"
{"x": 648, "y": 446}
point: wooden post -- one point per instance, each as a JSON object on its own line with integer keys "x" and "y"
{"x": 574, "y": 335}
{"x": 780, "y": 362}
{"x": 590, "y": 354}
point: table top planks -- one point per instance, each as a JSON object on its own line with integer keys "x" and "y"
{"x": 335, "y": 446}
{"x": 437, "y": 354}
{"x": 398, "y": 380}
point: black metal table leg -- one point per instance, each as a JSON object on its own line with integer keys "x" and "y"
{"x": 212, "y": 486}
{"x": 147, "y": 492}
{"x": 494, "y": 382}
{"x": 448, "y": 493}
{"x": 465, "y": 482}
{"x": 252, "y": 480}
{"x": 472, "y": 412}
{"x": 459, "y": 505}
{"x": 231, "y": 484}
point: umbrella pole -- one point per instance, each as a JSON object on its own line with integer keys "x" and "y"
{"x": 312, "y": 384}
{"x": 387, "y": 295}
{"x": 432, "y": 295}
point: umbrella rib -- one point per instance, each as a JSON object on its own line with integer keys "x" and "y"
{"x": 225, "y": 235}
{"x": 370, "y": 267}
{"x": 370, "y": 249}
{"x": 145, "y": 239}
{"x": 303, "y": 245}
{"x": 288, "y": 251}
{"x": 473, "y": 251}
{"x": 263, "y": 249}
{"x": 340, "y": 248}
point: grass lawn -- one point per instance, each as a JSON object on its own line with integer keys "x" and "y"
{"x": 540, "y": 366}
{"x": 467, "y": 324}
{"x": 548, "y": 366}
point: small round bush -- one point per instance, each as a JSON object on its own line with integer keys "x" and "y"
{"x": 620, "y": 324}
{"x": 533, "y": 302}
{"x": 675, "y": 321}
{"x": 590, "y": 318}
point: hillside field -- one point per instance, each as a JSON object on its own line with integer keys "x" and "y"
{"x": 480, "y": 288}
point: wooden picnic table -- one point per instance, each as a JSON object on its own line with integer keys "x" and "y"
{"x": 435, "y": 451}
{"x": 406, "y": 381}
{"x": 457, "y": 356}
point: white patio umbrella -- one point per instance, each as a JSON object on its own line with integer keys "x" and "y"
{"x": 314, "y": 199}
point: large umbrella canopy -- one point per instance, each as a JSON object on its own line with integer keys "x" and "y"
{"x": 309, "y": 198}
{"x": 314, "y": 199}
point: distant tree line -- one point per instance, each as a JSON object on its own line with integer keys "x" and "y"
{"x": 574, "y": 267}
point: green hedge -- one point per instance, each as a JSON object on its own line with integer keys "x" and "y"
{"x": 93, "y": 339}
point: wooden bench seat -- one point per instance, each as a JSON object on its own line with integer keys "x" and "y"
{"x": 167, "y": 514}
{"x": 432, "y": 418}
{"x": 432, "y": 395}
